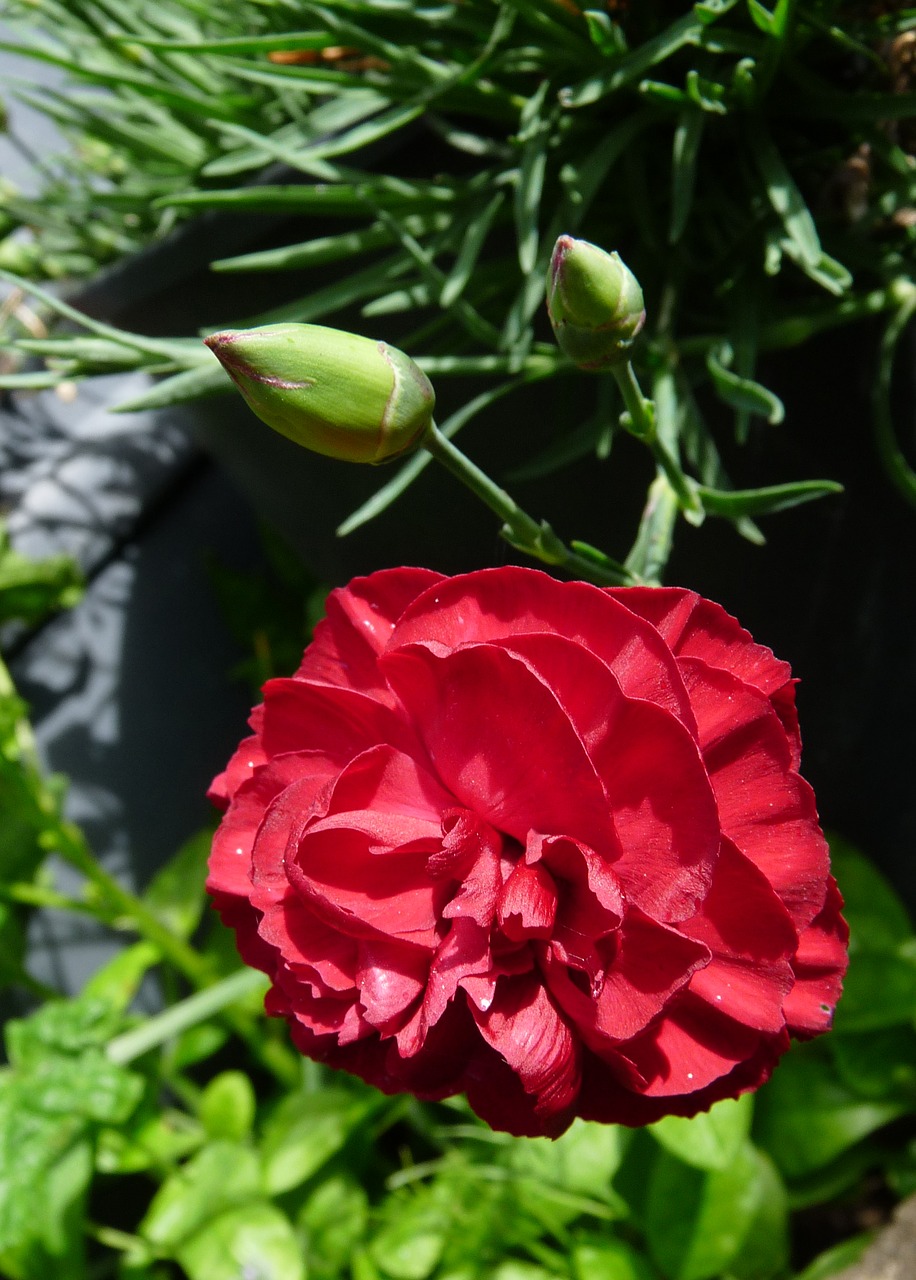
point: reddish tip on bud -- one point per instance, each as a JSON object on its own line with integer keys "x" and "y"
{"x": 594, "y": 302}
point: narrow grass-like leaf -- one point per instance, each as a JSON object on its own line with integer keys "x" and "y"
{"x": 435, "y": 279}
{"x": 271, "y": 43}
{"x": 227, "y": 107}
{"x": 339, "y": 199}
{"x": 533, "y": 137}
{"x": 783, "y": 194}
{"x": 633, "y": 66}
{"x": 471, "y": 244}
{"x": 38, "y": 380}
{"x": 180, "y": 388}
{"x": 743, "y": 393}
{"x": 173, "y": 349}
{"x": 686, "y": 147}
{"x": 313, "y": 253}
{"x": 357, "y": 286}
{"x": 763, "y": 502}
{"x": 825, "y": 271}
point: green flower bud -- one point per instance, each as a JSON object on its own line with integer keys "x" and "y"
{"x": 336, "y": 393}
{"x": 594, "y": 302}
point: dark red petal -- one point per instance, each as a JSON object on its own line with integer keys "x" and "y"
{"x": 752, "y": 940}
{"x": 247, "y": 757}
{"x": 230, "y": 856}
{"x": 391, "y": 978}
{"x": 366, "y": 875}
{"x": 359, "y": 622}
{"x": 524, "y": 1026}
{"x": 662, "y": 804}
{"x": 465, "y": 953}
{"x": 590, "y": 902}
{"x": 322, "y": 958}
{"x": 689, "y": 1048}
{"x": 765, "y": 808}
{"x": 652, "y": 964}
{"x": 819, "y": 965}
{"x": 384, "y": 780}
{"x": 339, "y": 722}
{"x": 471, "y": 857}
{"x": 510, "y": 601}
{"x": 528, "y": 903}
{"x": 697, "y": 628}
{"x": 501, "y": 743}
{"x": 605, "y": 1098}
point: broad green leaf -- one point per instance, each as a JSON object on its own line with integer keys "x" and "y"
{"x": 836, "y": 1260}
{"x": 88, "y": 1087}
{"x": 410, "y": 1245}
{"x": 176, "y": 894}
{"x": 583, "y": 1160}
{"x": 255, "y": 1241}
{"x": 878, "y": 920}
{"x": 60, "y": 1028}
{"x": 227, "y": 1106}
{"x": 306, "y": 1130}
{"x": 155, "y": 1140}
{"x": 697, "y": 1222}
{"x": 879, "y": 990}
{"x": 710, "y": 1140}
{"x": 30, "y": 589}
{"x": 223, "y": 1176}
{"x": 334, "y": 1219}
{"x": 117, "y": 982}
{"x": 878, "y": 1064}
{"x": 764, "y": 1251}
{"x": 518, "y": 1270}
{"x": 806, "y": 1116}
{"x": 608, "y": 1259}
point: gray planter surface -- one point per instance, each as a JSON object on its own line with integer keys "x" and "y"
{"x": 130, "y": 691}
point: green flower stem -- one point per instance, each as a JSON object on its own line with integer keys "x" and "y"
{"x": 200, "y": 1007}
{"x": 639, "y": 420}
{"x": 130, "y": 912}
{"x": 519, "y": 529}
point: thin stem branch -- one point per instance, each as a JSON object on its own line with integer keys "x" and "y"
{"x": 639, "y": 420}
{"x": 165, "y": 1026}
{"x": 519, "y": 529}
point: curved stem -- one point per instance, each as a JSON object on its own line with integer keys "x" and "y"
{"x": 519, "y": 529}
{"x": 639, "y": 420}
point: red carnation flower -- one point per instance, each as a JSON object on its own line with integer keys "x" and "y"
{"x": 539, "y": 842}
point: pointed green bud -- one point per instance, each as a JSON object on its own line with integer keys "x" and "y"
{"x": 336, "y": 393}
{"x": 594, "y": 302}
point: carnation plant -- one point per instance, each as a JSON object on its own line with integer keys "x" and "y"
{"x": 520, "y": 863}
